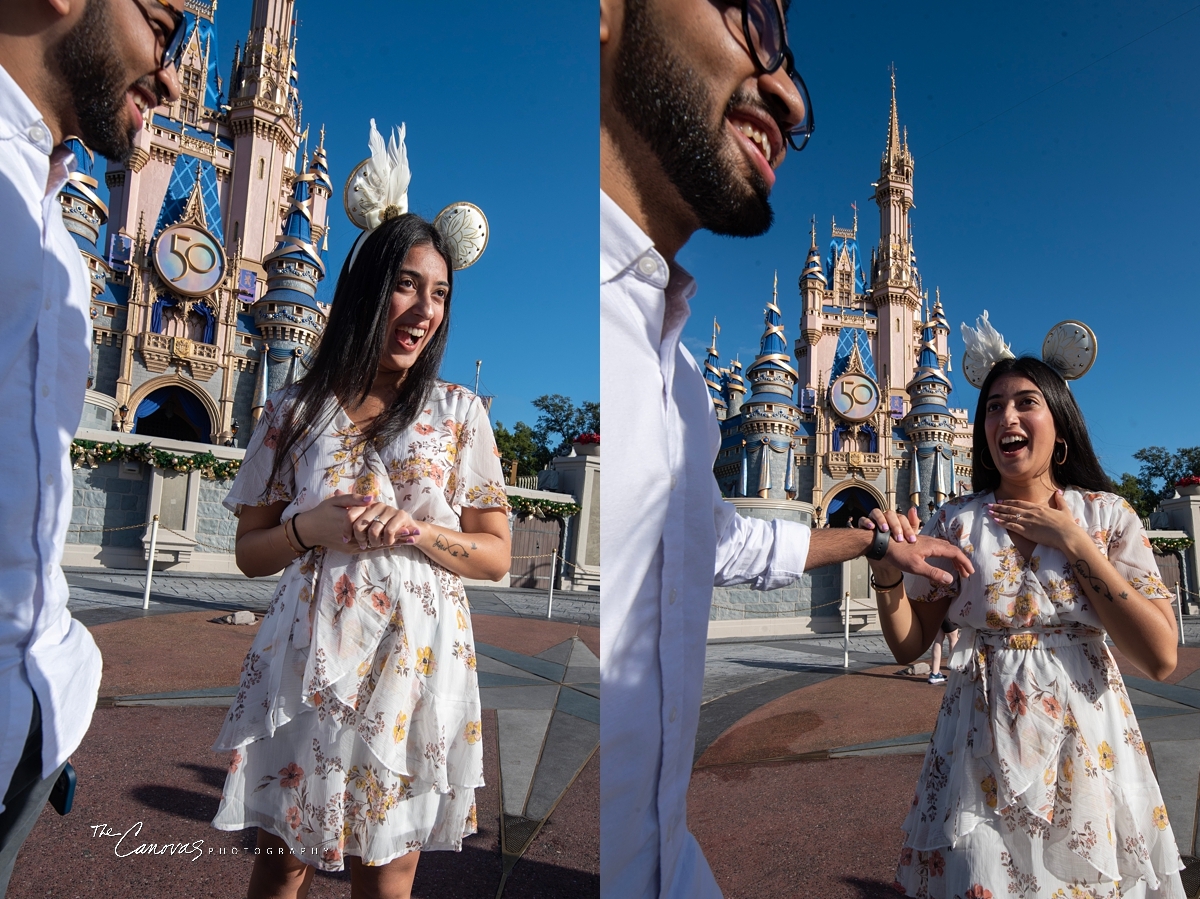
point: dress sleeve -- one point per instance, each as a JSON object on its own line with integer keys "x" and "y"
{"x": 250, "y": 486}
{"x": 918, "y": 588}
{"x": 476, "y": 481}
{"x": 1130, "y": 552}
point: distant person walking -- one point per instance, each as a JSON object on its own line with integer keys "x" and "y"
{"x": 92, "y": 69}
{"x": 949, "y": 630}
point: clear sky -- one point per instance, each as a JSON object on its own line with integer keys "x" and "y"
{"x": 500, "y": 104}
{"x": 1080, "y": 203}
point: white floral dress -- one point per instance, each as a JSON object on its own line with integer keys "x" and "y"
{"x": 356, "y": 727}
{"x": 1036, "y": 782}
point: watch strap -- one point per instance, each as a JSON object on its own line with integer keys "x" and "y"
{"x": 879, "y": 545}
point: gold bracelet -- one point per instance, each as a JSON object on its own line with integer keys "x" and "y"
{"x": 288, "y": 538}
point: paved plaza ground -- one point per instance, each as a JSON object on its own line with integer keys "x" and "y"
{"x": 169, "y": 676}
{"x": 805, "y": 769}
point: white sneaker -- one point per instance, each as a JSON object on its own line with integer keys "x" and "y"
{"x": 937, "y": 678}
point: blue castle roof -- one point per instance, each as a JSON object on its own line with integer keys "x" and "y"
{"x": 849, "y": 244}
{"x": 183, "y": 179}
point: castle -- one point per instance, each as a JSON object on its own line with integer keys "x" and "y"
{"x": 204, "y": 279}
{"x": 856, "y": 416}
{"x": 859, "y": 417}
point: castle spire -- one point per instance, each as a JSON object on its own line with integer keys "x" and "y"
{"x": 893, "y": 139}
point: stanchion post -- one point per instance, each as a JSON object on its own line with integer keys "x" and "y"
{"x": 846, "y": 639}
{"x": 553, "y": 565}
{"x": 1179, "y": 609}
{"x": 150, "y": 564}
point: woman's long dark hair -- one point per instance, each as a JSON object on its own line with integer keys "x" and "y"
{"x": 348, "y": 354}
{"x": 1082, "y": 468}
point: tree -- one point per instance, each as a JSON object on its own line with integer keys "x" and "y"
{"x": 521, "y": 446}
{"x": 560, "y": 421}
{"x": 1156, "y": 478}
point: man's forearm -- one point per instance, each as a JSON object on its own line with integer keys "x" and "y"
{"x": 828, "y": 546}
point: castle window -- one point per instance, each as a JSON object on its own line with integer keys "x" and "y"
{"x": 247, "y": 340}
{"x": 190, "y": 84}
{"x": 262, "y": 163}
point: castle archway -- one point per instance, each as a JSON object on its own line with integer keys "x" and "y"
{"x": 846, "y": 503}
{"x": 172, "y": 409}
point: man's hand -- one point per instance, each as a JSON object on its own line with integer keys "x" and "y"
{"x": 910, "y": 552}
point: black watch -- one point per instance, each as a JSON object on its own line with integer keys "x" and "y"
{"x": 879, "y": 546}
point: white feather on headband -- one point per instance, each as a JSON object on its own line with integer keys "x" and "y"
{"x": 985, "y": 347}
{"x": 382, "y": 185}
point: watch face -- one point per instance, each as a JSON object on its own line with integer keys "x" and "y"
{"x": 854, "y": 397}
{"x": 189, "y": 259}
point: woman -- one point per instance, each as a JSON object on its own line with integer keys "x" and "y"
{"x": 1037, "y": 781}
{"x": 356, "y": 729}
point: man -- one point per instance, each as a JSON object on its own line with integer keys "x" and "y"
{"x": 92, "y": 69}
{"x": 697, "y": 99}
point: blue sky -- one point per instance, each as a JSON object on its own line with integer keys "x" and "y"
{"x": 500, "y": 104}
{"x": 1080, "y": 203}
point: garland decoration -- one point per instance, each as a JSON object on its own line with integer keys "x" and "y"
{"x": 1166, "y": 545}
{"x": 91, "y": 453}
{"x": 540, "y": 508}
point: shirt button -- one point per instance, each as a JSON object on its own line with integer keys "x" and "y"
{"x": 672, "y": 716}
{"x": 50, "y": 483}
{"x": 45, "y": 390}
{"x": 673, "y": 595}
{"x": 47, "y": 302}
{"x": 37, "y": 134}
{"x": 647, "y": 265}
{"x": 674, "y": 481}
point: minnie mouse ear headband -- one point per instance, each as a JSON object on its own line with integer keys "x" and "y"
{"x": 1069, "y": 348}
{"x": 377, "y": 190}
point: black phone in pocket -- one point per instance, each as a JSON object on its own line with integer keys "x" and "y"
{"x": 62, "y": 795}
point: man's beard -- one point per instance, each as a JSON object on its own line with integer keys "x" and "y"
{"x": 664, "y": 101}
{"x": 95, "y": 79}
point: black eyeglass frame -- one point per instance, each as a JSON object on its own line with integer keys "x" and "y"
{"x": 173, "y": 50}
{"x": 797, "y": 137}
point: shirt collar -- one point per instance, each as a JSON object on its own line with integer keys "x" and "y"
{"x": 19, "y": 117}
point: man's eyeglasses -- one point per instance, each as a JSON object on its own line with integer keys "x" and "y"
{"x": 173, "y": 49}
{"x": 763, "y": 27}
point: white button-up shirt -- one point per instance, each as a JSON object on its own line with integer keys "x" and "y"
{"x": 667, "y": 536}
{"x": 44, "y": 353}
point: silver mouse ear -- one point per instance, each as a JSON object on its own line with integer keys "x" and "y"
{"x": 1070, "y": 349}
{"x": 465, "y": 228}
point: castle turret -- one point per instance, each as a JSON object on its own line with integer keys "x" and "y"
{"x": 929, "y": 425}
{"x": 84, "y": 213}
{"x": 735, "y": 388}
{"x": 895, "y": 285}
{"x": 812, "y": 294}
{"x": 287, "y": 315}
{"x": 769, "y": 416}
{"x": 713, "y": 376}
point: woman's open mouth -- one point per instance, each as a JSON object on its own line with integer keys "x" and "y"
{"x": 409, "y": 337}
{"x": 1011, "y": 445}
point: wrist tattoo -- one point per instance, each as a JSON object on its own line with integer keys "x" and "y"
{"x": 455, "y": 549}
{"x": 1095, "y": 582}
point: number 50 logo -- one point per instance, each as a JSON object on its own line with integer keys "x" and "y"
{"x": 189, "y": 259}
{"x": 855, "y": 397}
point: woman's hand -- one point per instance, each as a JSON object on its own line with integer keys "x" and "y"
{"x": 903, "y": 528}
{"x": 330, "y": 523}
{"x": 1050, "y": 525}
{"x": 378, "y": 524}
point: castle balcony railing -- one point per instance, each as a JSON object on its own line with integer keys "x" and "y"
{"x": 160, "y": 352}
{"x": 842, "y": 463}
